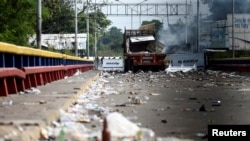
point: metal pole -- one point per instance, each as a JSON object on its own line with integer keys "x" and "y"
{"x": 76, "y": 30}
{"x": 233, "y": 49}
{"x": 87, "y": 28}
{"x": 198, "y": 25}
{"x": 39, "y": 24}
{"x": 131, "y": 18}
{"x": 140, "y": 16}
{"x": 186, "y": 22}
{"x": 95, "y": 38}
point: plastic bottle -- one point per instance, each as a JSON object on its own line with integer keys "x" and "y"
{"x": 62, "y": 136}
{"x": 105, "y": 131}
{"x": 145, "y": 134}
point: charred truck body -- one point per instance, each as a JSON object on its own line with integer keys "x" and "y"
{"x": 142, "y": 51}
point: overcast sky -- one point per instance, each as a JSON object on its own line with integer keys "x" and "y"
{"x": 129, "y": 22}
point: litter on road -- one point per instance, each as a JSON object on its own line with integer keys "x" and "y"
{"x": 149, "y": 106}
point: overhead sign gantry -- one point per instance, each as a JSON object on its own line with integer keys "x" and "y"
{"x": 144, "y": 9}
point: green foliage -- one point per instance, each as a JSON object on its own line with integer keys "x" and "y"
{"x": 68, "y": 52}
{"x": 101, "y": 21}
{"x": 18, "y": 19}
{"x": 61, "y": 19}
{"x": 110, "y": 44}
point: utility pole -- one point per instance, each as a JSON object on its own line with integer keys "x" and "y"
{"x": 87, "y": 27}
{"x": 131, "y": 18}
{"x": 39, "y": 24}
{"x": 198, "y": 25}
{"x": 233, "y": 49}
{"x": 95, "y": 39}
{"x": 76, "y": 30}
{"x": 186, "y": 23}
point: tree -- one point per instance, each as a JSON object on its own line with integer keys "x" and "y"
{"x": 18, "y": 19}
{"x": 61, "y": 19}
{"x": 98, "y": 22}
{"x": 117, "y": 38}
{"x": 111, "y": 42}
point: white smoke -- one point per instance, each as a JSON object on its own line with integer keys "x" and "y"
{"x": 174, "y": 38}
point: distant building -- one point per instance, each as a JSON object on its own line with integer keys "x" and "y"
{"x": 241, "y": 31}
{"x": 61, "y": 41}
{"x": 218, "y": 34}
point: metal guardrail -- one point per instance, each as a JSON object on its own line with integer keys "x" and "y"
{"x": 19, "y": 56}
{"x": 11, "y": 80}
{"x": 22, "y": 68}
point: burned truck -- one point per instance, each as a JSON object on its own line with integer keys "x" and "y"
{"x": 142, "y": 51}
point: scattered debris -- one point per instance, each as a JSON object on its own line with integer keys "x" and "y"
{"x": 154, "y": 94}
{"x": 7, "y": 103}
{"x": 216, "y": 103}
{"x": 172, "y": 139}
{"x": 145, "y": 134}
{"x": 83, "y": 118}
{"x": 202, "y": 135}
{"x": 44, "y": 134}
{"x": 120, "y": 126}
{"x": 192, "y": 98}
{"x": 32, "y": 90}
{"x": 181, "y": 68}
{"x": 42, "y": 102}
{"x": 202, "y": 108}
{"x": 164, "y": 121}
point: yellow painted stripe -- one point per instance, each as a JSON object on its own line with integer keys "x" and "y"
{"x": 21, "y": 50}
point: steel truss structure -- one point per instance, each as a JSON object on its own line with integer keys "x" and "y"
{"x": 144, "y": 9}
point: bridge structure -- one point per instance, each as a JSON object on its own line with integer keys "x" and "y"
{"x": 22, "y": 68}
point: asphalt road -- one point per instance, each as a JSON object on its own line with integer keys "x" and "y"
{"x": 179, "y": 105}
